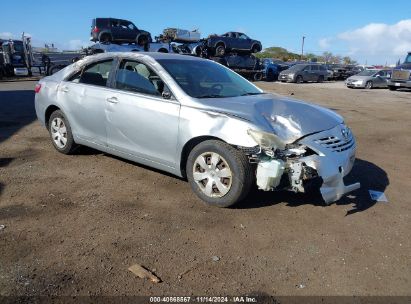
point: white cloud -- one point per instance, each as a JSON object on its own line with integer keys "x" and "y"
{"x": 377, "y": 42}
{"x": 324, "y": 43}
{"x": 380, "y": 38}
{"x": 76, "y": 44}
{"x": 6, "y": 35}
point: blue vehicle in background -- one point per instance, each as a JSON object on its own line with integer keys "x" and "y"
{"x": 272, "y": 68}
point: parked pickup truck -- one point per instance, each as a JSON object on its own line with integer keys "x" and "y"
{"x": 401, "y": 75}
{"x": 232, "y": 41}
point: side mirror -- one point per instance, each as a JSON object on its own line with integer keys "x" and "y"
{"x": 166, "y": 94}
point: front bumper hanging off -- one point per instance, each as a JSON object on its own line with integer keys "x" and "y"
{"x": 333, "y": 158}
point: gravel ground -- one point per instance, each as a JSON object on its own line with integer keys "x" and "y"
{"x": 74, "y": 224}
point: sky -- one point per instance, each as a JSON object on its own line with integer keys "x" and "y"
{"x": 371, "y": 32}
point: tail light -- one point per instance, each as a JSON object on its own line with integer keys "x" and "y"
{"x": 96, "y": 29}
{"x": 37, "y": 88}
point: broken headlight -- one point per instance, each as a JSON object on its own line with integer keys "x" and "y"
{"x": 267, "y": 141}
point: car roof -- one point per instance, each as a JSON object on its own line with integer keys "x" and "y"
{"x": 154, "y": 55}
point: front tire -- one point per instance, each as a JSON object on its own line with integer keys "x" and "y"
{"x": 220, "y": 50}
{"x": 218, "y": 173}
{"x": 369, "y": 85}
{"x": 60, "y": 133}
{"x": 299, "y": 79}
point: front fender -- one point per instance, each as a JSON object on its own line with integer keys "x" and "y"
{"x": 197, "y": 123}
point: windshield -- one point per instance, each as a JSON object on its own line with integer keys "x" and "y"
{"x": 408, "y": 59}
{"x": 367, "y": 73}
{"x": 206, "y": 79}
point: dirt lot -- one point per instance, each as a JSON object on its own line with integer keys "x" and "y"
{"x": 74, "y": 224}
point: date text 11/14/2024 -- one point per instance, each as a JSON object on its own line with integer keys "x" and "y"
{"x": 203, "y": 299}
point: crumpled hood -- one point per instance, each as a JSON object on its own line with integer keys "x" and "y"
{"x": 288, "y": 118}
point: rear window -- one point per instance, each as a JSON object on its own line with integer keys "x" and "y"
{"x": 101, "y": 22}
{"x": 95, "y": 74}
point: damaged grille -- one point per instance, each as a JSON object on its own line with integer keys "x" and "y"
{"x": 336, "y": 144}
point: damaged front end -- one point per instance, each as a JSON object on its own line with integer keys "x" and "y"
{"x": 302, "y": 163}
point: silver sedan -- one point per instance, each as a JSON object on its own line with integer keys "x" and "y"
{"x": 196, "y": 119}
{"x": 369, "y": 79}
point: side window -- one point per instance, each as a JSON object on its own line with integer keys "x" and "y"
{"x": 242, "y": 36}
{"x": 314, "y": 68}
{"x": 322, "y": 68}
{"x": 97, "y": 73}
{"x": 134, "y": 76}
{"x": 307, "y": 68}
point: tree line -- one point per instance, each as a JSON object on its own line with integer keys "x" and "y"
{"x": 284, "y": 55}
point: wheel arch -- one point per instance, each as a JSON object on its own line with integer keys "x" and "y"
{"x": 256, "y": 44}
{"x": 50, "y": 109}
{"x": 105, "y": 33}
{"x": 220, "y": 42}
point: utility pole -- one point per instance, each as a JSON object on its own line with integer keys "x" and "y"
{"x": 302, "y": 48}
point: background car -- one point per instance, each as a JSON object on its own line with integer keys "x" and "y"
{"x": 300, "y": 73}
{"x": 232, "y": 41}
{"x": 369, "y": 79}
{"x": 108, "y": 30}
{"x": 272, "y": 68}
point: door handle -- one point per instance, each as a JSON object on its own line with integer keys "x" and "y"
{"x": 64, "y": 89}
{"x": 112, "y": 99}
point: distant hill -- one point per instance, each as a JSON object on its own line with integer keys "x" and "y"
{"x": 278, "y": 53}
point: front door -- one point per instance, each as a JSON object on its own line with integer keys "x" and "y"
{"x": 244, "y": 43}
{"x": 140, "y": 122}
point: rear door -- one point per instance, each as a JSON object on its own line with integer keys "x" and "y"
{"x": 140, "y": 122}
{"x": 84, "y": 96}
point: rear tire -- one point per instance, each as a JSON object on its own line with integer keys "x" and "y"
{"x": 60, "y": 133}
{"x": 258, "y": 76}
{"x": 218, "y": 173}
{"x": 320, "y": 79}
{"x": 105, "y": 39}
{"x": 255, "y": 49}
